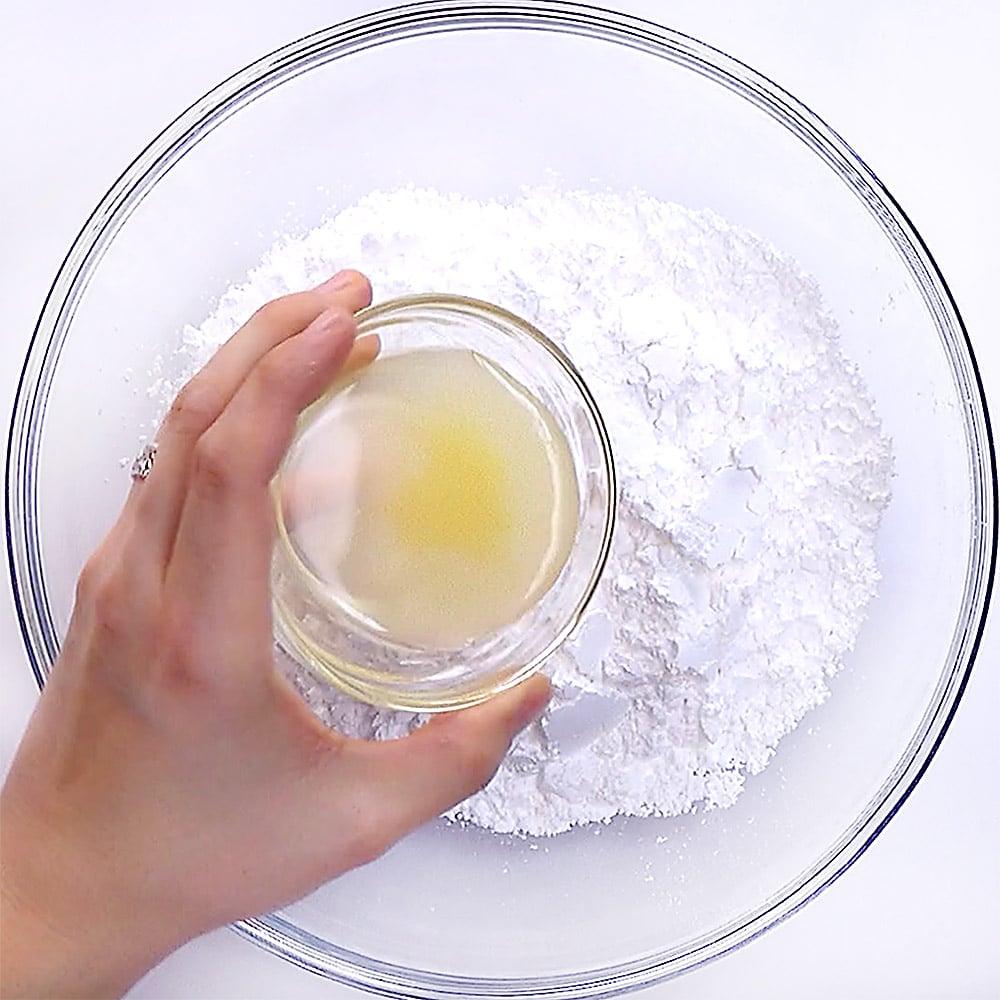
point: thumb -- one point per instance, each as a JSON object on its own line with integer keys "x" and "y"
{"x": 452, "y": 757}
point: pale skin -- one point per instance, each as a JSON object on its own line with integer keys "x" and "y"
{"x": 170, "y": 780}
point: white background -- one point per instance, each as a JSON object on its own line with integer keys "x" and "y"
{"x": 912, "y": 85}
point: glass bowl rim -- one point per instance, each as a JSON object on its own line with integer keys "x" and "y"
{"x": 561, "y": 17}
{"x": 389, "y": 312}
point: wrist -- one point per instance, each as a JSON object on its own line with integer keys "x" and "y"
{"x": 64, "y": 931}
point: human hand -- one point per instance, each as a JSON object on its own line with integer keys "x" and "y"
{"x": 170, "y": 780}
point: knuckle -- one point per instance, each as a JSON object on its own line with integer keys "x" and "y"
{"x": 181, "y": 663}
{"x": 269, "y": 312}
{"x": 475, "y": 760}
{"x": 195, "y": 407}
{"x": 105, "y": 596}
{"x": 370, "y": 839}
{"x": 180, "y": 671}
{"x": 90, "y": 579}
{"x": 279, "y": 312}
{"x": 212, "y": 470}
{"x": 480, "y": 765}
{"x": 340, "y": 318}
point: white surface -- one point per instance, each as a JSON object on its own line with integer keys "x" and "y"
{"x": 911, "y": 85}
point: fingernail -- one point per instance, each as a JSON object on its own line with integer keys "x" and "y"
{"x": 338, "y": 282}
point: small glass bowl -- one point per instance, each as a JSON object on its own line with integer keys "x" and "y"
{"x": 320, "y": 630}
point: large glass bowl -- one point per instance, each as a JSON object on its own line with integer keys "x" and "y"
{"x": 481, "y": 99}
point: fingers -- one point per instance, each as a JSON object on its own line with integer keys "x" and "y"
{"x": 221, "y": 555}
{"x": 158, "y": 499}
{"x": 409, "y": 781}
{"x": 363, "y": 353}
{"x": 217, "y": 383}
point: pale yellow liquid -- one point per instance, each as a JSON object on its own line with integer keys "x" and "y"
{"x": 455, "y": 505}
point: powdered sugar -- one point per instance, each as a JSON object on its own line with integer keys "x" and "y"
{"x": 753, "y": 474}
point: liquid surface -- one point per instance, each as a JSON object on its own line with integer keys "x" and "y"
{"x": 435, "y": 496}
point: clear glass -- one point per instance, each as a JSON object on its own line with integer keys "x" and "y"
{"x": 482, "y": 98}
{"x": 319, "y": 631}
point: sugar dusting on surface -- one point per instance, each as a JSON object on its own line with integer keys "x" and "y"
{"x": 753, "y": 474}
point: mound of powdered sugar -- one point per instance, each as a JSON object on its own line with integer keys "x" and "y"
{"x": 752, "y": 467}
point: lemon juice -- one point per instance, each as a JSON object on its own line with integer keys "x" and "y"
{"x": 448, "y": 496}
